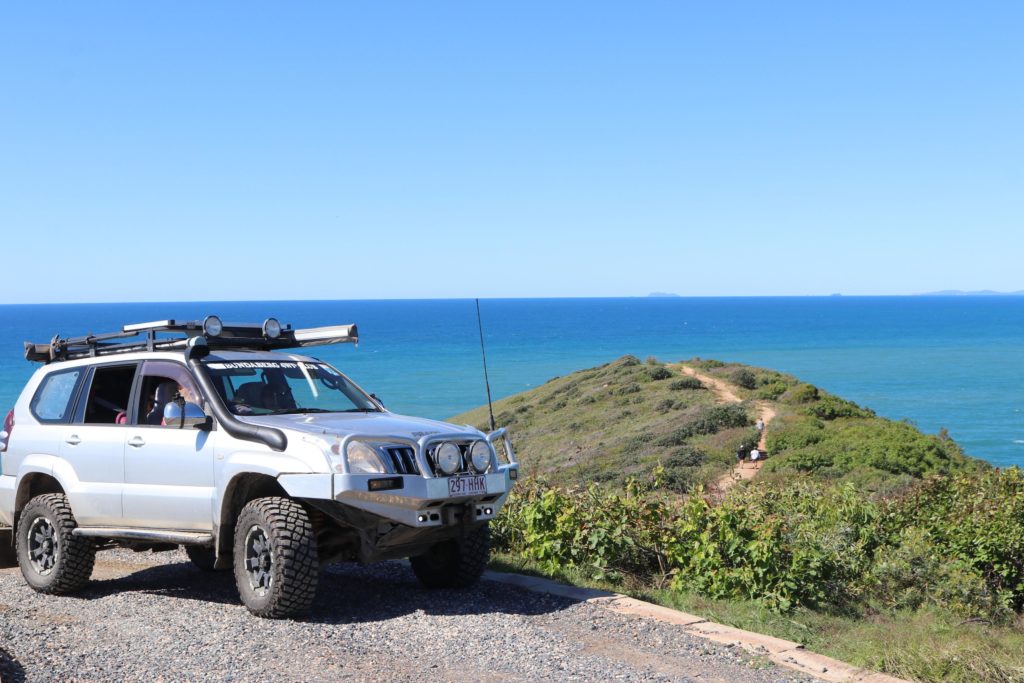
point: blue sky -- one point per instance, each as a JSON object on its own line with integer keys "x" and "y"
{"x": 195, "y": 151}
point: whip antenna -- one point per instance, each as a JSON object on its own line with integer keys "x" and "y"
{"x": 487, "y": 382}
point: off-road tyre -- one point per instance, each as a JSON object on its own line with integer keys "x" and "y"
{"x": 275, "y": 558}
{"x": 53, "y": 560}
{"x": 202, "y": 557}
{"x": 455, "y": 563}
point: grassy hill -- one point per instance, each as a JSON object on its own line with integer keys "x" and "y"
{"x": 624, "y": 418}
{"x": 861, "y": 536}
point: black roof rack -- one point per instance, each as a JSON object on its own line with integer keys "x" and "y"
{"x": 209, "y": 333}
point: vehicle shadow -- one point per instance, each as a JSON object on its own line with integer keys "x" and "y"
{"x": 347, "y": 593}
{"x": 11, "y": 670}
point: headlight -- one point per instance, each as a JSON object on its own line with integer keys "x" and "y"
{"x": 480, "y": 456}
{"x": 362, "y": 459}
{"x": 448, "y": 458}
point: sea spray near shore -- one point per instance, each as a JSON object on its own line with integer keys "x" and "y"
{"x": 949, "y": 362}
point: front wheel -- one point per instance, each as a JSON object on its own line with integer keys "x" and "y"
{"x": 52, "y": 559}
{"x": 275, "y": 558}
{"x": 455, "y": 563}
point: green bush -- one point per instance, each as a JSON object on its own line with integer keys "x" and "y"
{"x": 802, "y": 393}
{"x": 790, "y": 435}
{"x": 665, "y": 405}
{"x": 744, "y": 377}
{"x": 659, "y": 372}
{"x": 711, "y": 420}
{"x": 832, "y": 407}
{"x": 910, "y": 575}
{"x": 772, "y": 390}
{"x": 955, "y": 542}
{"x": 888, "y": 447}
{"x": 686, "y": 382}
{"x": 679, "y": 469}
{"x": 977, "y": 519}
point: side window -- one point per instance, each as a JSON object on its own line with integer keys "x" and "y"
{"x": 162, "y": 382}
{"x": 55, "y": 396}
{"x": 109, "y": 394}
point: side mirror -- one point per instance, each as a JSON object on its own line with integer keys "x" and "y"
{"x": 182, "y": 415}
{"x": 377, "y": 399}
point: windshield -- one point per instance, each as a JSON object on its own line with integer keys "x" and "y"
{"x": 282, "y": 387}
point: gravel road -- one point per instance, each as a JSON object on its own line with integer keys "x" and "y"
{"x": 153, "y": 617}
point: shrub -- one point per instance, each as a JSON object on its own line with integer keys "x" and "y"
{"x": 772, "y": 390}
{"x": 710, "y": 421}
{"x": 651, "y": 360}
{"x": 659, "y": 372}
{"x": 831, "y": 407}
{"x": 789, "y": 435}
{"x": 977, "y": 519}
{"x": 665, "y": 405}
{"x": 910, "y": 574}
{"x": 628, "y": 361}
{"x": 802, "y": 393}
{"x": 785, "y": 546}
{"x": 744, "y": 377}
{"x": 629, "y": 389}
{"x": 686, "y": 382}
{"x": 679, "y": 468}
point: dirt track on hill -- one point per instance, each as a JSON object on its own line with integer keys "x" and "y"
{"x": 725, "y": 394}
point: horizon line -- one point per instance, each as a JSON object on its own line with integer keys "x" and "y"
{"x": 981, "y": 294}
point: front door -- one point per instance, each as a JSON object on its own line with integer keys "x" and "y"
{"x": 168, "y": 472}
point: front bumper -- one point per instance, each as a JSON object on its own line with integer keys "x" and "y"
{"x": 422, "y": 501}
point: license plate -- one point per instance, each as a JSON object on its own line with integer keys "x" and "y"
{"x": 466, "y": 486}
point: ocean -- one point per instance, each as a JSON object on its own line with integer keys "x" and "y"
{"x": 955, "y": 362}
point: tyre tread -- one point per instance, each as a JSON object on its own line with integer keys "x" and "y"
{"x": 78, "y": 552}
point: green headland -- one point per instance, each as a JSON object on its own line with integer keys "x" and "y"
{"x": 859, "y": 536}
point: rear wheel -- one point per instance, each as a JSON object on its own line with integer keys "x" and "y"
{"x": 455, "y": 563}
{"x": 276, "y": 564}
{"x": 52, "y": 559}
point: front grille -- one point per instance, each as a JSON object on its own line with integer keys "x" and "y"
{"x": 402, "y": 459}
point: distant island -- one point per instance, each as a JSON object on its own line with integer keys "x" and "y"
{"x": 980, "y": 292}
{"x": 663, "y": 295}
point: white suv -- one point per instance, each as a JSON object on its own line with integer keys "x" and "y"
{"x": 206, "y": 435}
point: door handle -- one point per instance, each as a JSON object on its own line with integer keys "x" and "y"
{"x": 73, "y": 440}
{"x": 136, "y": 441}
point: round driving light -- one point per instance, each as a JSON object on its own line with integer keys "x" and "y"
{"x": 480, "y": 456}
{"x": 212, "y": 326}
{"x": 448, "y": 457}
{"x": 271, "y": 328}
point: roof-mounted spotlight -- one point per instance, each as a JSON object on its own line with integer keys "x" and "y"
{"x": 271, "y": 328}
{"x": 212, "y": 326}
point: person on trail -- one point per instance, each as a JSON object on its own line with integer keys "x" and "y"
{"x": 741, "y": 454}
{"x": 760, "y": 425}
{"x": 754, "y": 455}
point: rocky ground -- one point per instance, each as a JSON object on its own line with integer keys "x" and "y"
{"x": 153, "y": 617}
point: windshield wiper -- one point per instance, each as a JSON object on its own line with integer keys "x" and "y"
{"x": 296, "y": 411}
{"x": 359, "y": 410}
